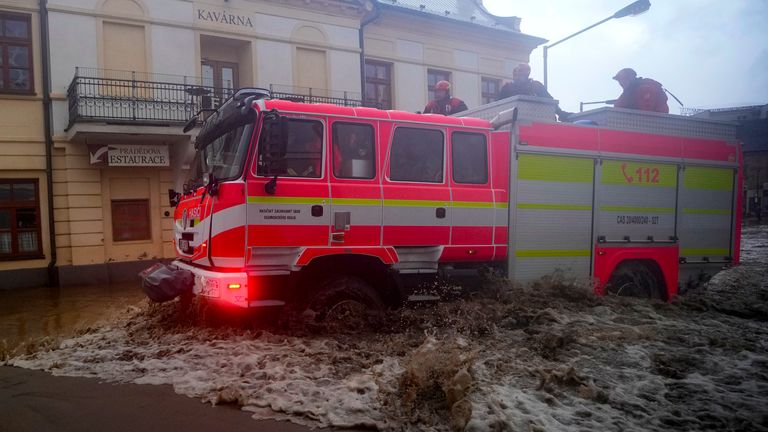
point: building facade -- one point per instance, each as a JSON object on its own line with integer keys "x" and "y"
{"x": 753, "y": 133}
{"x": 25, "y": 242}
{"x": 126, "y": 74}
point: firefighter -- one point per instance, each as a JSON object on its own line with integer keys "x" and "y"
{"x": 639, "y": 93}
{"x": 444, "y": 104}
{"x": 311, "y": 164}
{"x": 522, "y": 84}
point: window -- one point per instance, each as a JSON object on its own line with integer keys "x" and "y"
{"x": 130, "y": 220}
{"x": 469, "y": 154}
{"x": 221, "y": 78}
{"x": 417, "y": 155}
{"x": 296, "y": 152}
{"x": 378, "y": 84}
{"x": 434, "y": 76}
{"x": 490, "y": 88}
{"x": 19, "y": 219}
{"x": 15, "y": 53}
{"x": 223, "y": 157}
{"x": 353, "y": 151}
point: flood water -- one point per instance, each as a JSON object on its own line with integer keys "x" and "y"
{"x": 31, "y": 314}
{"x": 545, "y": 357}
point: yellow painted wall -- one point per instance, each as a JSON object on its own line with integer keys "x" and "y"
{"x": 22, "y": 141}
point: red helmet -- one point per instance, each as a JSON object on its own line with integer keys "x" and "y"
{"x": 626, "y": 73}
{"x": 443, "y": 85}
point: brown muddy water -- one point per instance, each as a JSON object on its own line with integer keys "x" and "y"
{"x": 31, "y": 315}
{"x": 545, "y": 357}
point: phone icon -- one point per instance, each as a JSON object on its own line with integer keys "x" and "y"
{"x": 628, "y": 178}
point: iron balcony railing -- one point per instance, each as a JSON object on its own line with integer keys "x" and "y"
{"x": 315, "y": 95}
{"x": 112, "y": 96}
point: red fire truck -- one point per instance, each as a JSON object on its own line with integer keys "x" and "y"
{"x": 321, "y": 205}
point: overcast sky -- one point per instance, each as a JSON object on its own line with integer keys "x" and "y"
{"x": 709, "y": 53}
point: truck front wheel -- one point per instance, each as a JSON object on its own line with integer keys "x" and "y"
{"x": 343, "y": 299}
{"x": 634, "y": 279}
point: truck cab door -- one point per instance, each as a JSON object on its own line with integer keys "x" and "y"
{"x": 417, "y": 197}
{"x": 288, "y": 193}
{"x": 356, "y": 205}
{"x": 472, "y": 222}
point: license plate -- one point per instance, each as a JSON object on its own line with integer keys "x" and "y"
{"x": 208, "y": 287}
{"x": 184, "y": 245}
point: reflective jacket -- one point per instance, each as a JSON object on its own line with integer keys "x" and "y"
{"x": 445, "y": 107}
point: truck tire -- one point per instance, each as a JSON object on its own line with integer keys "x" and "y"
{"x": 343, "y": 298}
{"x": 634, "y": 279}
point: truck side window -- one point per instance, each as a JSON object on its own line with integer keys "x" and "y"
{"x": 353, "y": 151}
{"x": 416, "y": 155}
{"x": 303, "y": 154}
{"x": 470, "y": 158}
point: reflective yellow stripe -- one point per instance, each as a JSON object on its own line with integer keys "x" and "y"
{"x": 629, "y": 209}
{"x": 708, "y": 178}
{"x": 286, "y": 200}
{"x": 532, "y": 206}
{"x": 502, "y": 205}
{"x": 552, "y": 253}
{"x": 626, "y": 174}
{"x": 707, "y": 211}
{"x": 373, "y": 202}
{"x": 706, "y": 252}
{"x": 555, "y": 168}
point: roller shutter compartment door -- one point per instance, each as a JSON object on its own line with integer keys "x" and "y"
{"x": 552, "y": 217}
{"x": 706, "y": 214}
{"x": 637, "y": 202}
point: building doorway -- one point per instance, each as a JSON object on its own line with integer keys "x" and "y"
{"x": 220, "y": 75}
{"x": 225, "y": 65}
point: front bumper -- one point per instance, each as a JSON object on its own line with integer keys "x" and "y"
{"x": 224, "y": 287}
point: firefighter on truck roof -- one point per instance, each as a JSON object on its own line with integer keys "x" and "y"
{"x": 522, "y": 84}
{"x": 639, "y": 93}
{"x": 444, "y": 104}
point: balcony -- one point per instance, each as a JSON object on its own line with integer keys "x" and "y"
{"x": 137, "y": 98}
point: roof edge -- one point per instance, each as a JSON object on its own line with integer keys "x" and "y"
{"x": 529, "y": 39}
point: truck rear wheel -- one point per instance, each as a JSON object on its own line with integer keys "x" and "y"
{"x": 634, "y": 279}
{"x": 343, "y": 299}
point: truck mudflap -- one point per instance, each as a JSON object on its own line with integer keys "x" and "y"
{"x": 162, "y": 282}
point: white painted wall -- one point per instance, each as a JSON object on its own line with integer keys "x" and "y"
{"x": 345, "y": 71}
{"x": 176, "y": 10}
{"x": 465, "y": 59}
{"x": 410, "y": 87}
{"x": 80, "y": 4}
{"x": 410, "y": 50}
{"x": 466, "y": 86}
{"x": 274, "y": 64}
{"x": 342, "y": 36}
{"x": 173, "y": 51}
{"x": 73, "y": 43}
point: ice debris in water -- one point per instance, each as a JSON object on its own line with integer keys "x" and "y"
{"x": 543, "y": 357}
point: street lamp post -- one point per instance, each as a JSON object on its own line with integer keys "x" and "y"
{"x": 634, "y": 9}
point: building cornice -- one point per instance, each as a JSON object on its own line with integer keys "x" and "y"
{"x": 492, "y": 33}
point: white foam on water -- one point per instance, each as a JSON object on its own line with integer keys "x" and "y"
{"x": 535, "y": 363}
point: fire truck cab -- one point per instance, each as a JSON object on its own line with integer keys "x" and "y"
{"x": 320, "y": 205}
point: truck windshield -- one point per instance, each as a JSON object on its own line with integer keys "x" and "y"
{"x": 224, "y": 157}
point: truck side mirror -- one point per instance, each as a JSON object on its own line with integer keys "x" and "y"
{"x": 211, "y": 184}
{"x": 273, "y": 146}
{"x": 173, "y": 197}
